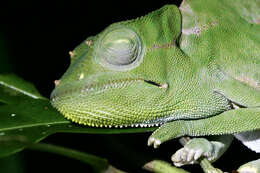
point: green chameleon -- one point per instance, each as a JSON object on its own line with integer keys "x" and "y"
{"x": 192, "y": 70}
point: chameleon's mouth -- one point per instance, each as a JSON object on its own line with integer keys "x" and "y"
{"x": 110, "y": 104}
{"x": 98, "y": 87}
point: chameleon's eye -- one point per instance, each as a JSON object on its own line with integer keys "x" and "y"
{"x": 119, "y": 48}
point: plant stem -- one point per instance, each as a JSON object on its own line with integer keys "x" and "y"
{"x": 207, "y": 166}
{"x": 159, "y": 166}
{"x": 98, "y": 164}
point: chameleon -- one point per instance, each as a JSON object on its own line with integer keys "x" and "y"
{"x": 192, "y": 70}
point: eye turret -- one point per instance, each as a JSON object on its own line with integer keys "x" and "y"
{"x": 119, "y": 49}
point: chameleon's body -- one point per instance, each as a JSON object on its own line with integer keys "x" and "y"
{"x": 195, "y": 69}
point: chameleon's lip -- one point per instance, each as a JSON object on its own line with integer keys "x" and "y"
{"x": 103, "y": 124}
{"x": 97, "y": 87}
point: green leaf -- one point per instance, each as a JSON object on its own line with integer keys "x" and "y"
{"x": 26, "y": 115}
{"x": 14, "y": 89}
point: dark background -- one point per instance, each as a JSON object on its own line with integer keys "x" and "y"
{"x": 37, "y": 38}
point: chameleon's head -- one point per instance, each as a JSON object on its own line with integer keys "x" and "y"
{"x": 123, "y": 76}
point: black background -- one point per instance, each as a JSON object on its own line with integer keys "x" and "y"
{"x": 38, "y": 36}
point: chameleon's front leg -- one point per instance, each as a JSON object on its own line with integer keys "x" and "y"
{"x": 230, "y": 122}
{"x": 195, "y": 148}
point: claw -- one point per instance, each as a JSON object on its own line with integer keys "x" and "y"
{"x": 178, "y": 164}
{"x": 155, "y": 142}
{"x": 150, "y": 141}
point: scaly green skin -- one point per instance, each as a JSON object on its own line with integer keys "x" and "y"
{"x": 177, "y": 67}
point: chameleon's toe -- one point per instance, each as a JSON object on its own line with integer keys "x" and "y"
{"x": 190, "y": 155}
{"x": 185, "y": 157}
{"x": 155, "y": 142}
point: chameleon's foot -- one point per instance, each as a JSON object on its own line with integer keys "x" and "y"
{"x": 192, "y": 151}
{"x": 165, "y": 133}
{"x": 153, "y": 141}
{"x": 250, "y": 167}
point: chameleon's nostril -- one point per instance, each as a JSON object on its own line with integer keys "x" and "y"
{"x": 57, "y": 82}
{"x": 88, "y": 42}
